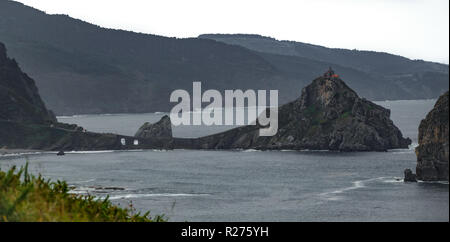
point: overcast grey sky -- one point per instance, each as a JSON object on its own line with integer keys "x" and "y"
{"x": 417, "y": 29}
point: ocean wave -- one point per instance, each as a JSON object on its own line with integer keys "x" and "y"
{"x": 411, "y": 149}
{"x": 27, "y": 153}
{"x": 91, "y": 152}
{"x": 393, "y": 180}
{"x": 20, "y": 154}
{"x": 435, "y": 182}
{"x": 399, "y": 152}
{"x": 72, "y": 116}
{"x": 413, "y": 146}
{"x": 85, "y": 181}
{"x": 251, "y": 150}
{"x": 317, "y": 151}
{"x": 135, "y": 195}
{"x": 334, "y": 195}
{"x": 106, "y": 151}
{"x": 81, "y": 190}
{"x": 84, "y": 190}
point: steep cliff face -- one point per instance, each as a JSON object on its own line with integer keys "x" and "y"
{"x": 433, "y": 150}
{"x": 19, "y": 97}
{"x": 25, "y": 122}
{"x": 328, "y": 116}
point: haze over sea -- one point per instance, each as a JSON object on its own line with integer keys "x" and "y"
{"x": 249, "y": 185}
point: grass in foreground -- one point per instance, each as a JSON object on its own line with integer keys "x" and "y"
{"x": 26, "y": 198}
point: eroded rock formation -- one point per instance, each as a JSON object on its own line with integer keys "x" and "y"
{"x": 162, "y": 129}
{"x": 328, "y": 116}
{"x": 433, "y": 150}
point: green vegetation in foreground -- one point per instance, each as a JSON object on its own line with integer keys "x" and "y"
{"x": 26, "y": 198}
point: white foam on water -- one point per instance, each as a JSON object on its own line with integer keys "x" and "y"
{"x": 85, "y": 181}
{"x": 251, "y": 150}
{"x": 73, "y": 116}
{"x": 413, "y": 146}
{"x": 134, "y": 195}
{"x": 411, "y": 149}
{"x": 393, "y": 180}
{"x": 332, "y": 195}
{"x": 27, "y": 153}
{"x": 313, "y": 151}
{"x": 82, "y": 190}
{"x": 435, "y": 182}
{"x": 90, "y": 152}
{"x": 76, "y": 152}
{"x": 402, "y": 152}
{"x": 155, "y": 150}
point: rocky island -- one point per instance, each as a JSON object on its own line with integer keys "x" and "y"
{"x": 163, "y": 128}
{"x": 329, "y": 115}
{"x": 433, "y": 150}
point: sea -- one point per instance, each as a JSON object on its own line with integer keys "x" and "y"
{"x": 248, "y": 185}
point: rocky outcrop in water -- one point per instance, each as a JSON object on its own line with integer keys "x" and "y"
{"x": 328, "y": 116}
{"x": 162, "y": 129}
{"x": 433, "y": 150}
{"x": 409, "y": 176}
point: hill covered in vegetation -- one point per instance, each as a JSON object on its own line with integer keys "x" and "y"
{"x": 82, "y": 68}
{"x": 27, "y": 198}
{"x": 374, "y": 75}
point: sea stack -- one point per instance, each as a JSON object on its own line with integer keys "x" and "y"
{"x": 433, "y": 150}
{"x": 409, "y": 176}
{"x": 329, "y": 115}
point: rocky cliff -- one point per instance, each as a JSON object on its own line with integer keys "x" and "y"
{"x": 19, "y": 97}
{"x": 433, "y": 150}
{"x": 163, "y": 128}
{"x": 25, "y": 122}
{"x": 328, "y": 116}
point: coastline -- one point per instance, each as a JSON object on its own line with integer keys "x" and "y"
{"x": 4, "y": 151}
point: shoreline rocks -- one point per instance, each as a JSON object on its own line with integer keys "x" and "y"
{"x": 409, "y": 176}
{"x": 433, "y": 150}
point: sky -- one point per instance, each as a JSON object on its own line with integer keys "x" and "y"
{"x": 417, "y": 29}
